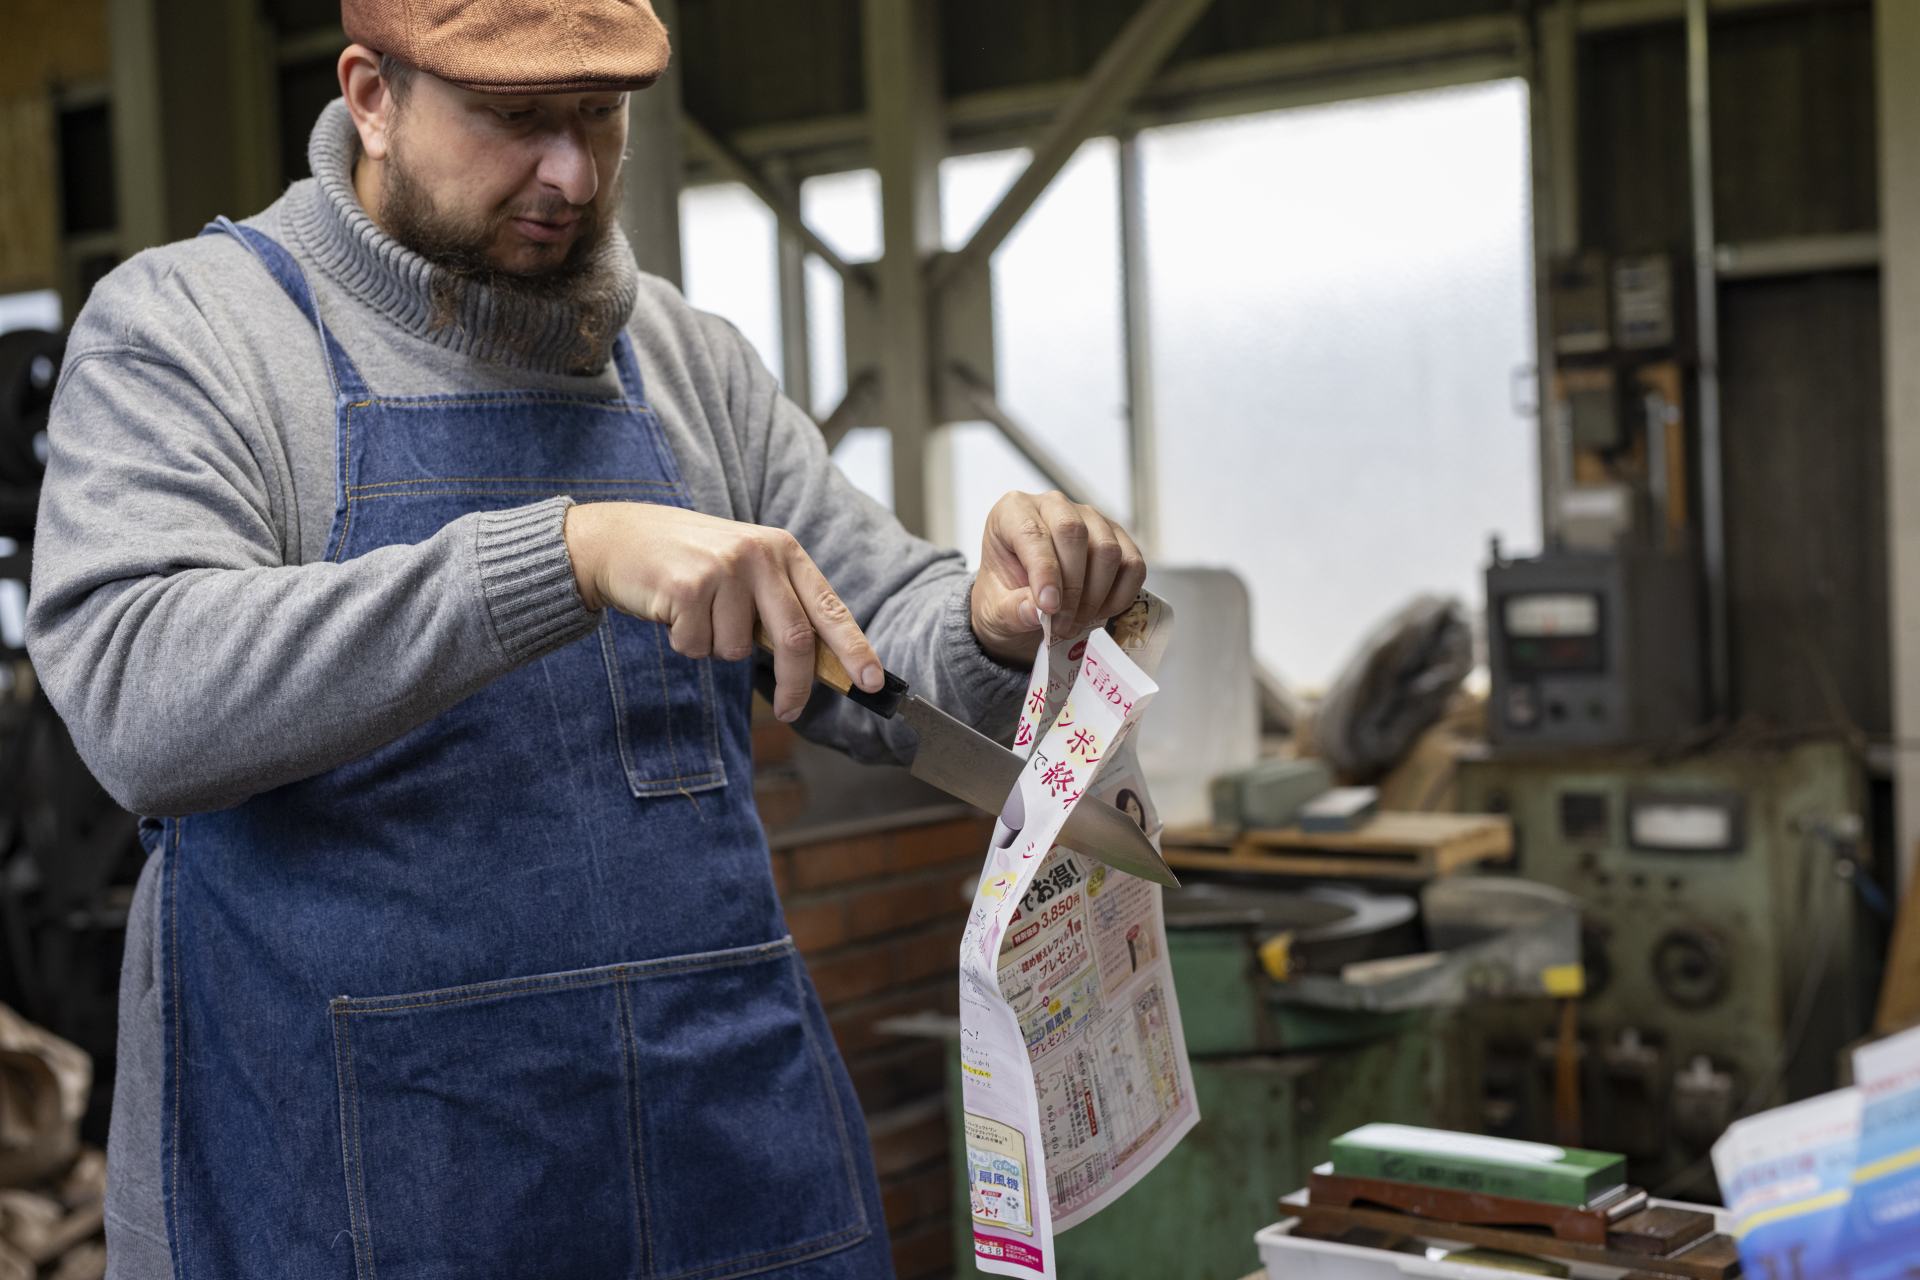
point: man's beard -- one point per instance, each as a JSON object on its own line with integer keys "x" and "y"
{"x": 459, "y": 245}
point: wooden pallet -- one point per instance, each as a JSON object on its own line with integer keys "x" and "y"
{"x": 1393, "y": 846}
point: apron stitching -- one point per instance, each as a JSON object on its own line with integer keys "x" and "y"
{"x": 587, "y": 480}
{"x": 767, "y": 1259}
{"x": 711, "y": 775}
{"x": 636, "y": 1156}
{"x": 504, "y": 400}
{"x": 350, "y": 1005}
{"x": 352, "y": 1159}
{"x": 610, "y": 655}
{"x": 346, "y": 474}
{"x": 713, "y": 719}
{"x": 833, "y": 1099}
{"x": 666, "y": 700}
{"x": 357, "y": 496}
{"x": 179, "y": 1050}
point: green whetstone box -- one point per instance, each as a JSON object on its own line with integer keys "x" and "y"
{"x": 1268, "y": 794}
{"x": 1468, "y": 1162}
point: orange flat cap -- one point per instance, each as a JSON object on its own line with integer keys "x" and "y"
{"x": 517, "y": 46}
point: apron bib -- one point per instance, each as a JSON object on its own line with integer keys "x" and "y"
{"x": 511, "y": 995}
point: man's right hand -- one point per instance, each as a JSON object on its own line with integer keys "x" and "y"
{"x": 707, "y": 579}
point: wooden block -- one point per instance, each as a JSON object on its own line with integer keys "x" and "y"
{"x": 1660, "y": 1231}
{"x": 1441, "y": 1204}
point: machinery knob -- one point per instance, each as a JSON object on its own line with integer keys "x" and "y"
{"x": 1690, "y": 967}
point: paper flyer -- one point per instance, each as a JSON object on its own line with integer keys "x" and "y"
{"x": 1073, "y": 1063}
{"x": 1884, "y": 1219}
{"x": 1786, "y": 1176}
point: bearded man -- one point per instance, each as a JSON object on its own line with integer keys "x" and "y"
{"x": 399, "y": 561}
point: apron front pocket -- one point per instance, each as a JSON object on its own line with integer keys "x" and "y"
{"x": 486, "y": 1129}
{"x": 672, "y": 1120}
{"x": 663, "y": 710}
{"x": 747, "y": 1152}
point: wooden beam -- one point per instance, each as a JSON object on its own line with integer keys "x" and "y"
{"x": 780, "y": 202}
{"x": 904, "y": 122}
{"x": 1116, "y": 79}
{"x": 650, "y": 202}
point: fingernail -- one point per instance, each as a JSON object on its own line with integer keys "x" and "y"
{"x": 790, "y": 714}
{"x": 872, "y": 678}
{"x": 1029, "y": 615}
{"x": 1049, "y": 599}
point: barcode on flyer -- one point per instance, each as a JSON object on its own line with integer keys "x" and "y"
{"x": 1071, "y": 1186}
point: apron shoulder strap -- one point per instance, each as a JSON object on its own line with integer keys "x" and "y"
{"x": 286, "y": 272}
{"x": 628, "y": 367}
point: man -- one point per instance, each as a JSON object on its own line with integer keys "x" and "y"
{"x": 399, "y": 557}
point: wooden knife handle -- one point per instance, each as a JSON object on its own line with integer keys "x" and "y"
{"x": 827, "y": 667}
{"x": 828, "y": 670}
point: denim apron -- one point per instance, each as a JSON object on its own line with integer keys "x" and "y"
{"x": 512, "y": 995}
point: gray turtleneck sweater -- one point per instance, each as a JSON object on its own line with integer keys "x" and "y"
{"x": 186, "y": 624}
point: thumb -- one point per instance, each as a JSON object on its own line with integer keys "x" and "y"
{"x": 1002, "y": 607}
{"x": 1004, "y": 616}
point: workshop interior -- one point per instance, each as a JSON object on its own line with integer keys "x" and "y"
{"x": 1516, "y": 403}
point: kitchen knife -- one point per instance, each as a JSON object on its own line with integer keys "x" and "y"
{"x": 972, "y": 767}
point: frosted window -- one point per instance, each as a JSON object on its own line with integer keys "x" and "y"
{"x": 1058, "y": 336}
{"x": 1057, "y": 316}
{"x": 844, "y": 210}
{"x": 39, "y": 309}
{"x": 729, "y": 258}
{"x": 1340, "y": 296}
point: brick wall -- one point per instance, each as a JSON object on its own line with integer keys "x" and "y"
{"x": 878, "y": 918}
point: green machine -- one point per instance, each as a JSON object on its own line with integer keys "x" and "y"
{"x": 1280, "y": 1069}
{"x": 1723, "y": 948}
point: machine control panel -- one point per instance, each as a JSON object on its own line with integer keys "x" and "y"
{"x": 1719, "y": 944}
{"x": 1553, "y": 631}
{"x": 1590, "y": 649}
{"x": 1682, "y": 823}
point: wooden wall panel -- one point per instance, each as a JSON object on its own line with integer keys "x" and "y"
{"x": 50, "y": 42}
{"x": 1633, "y": 140}
{"x": 1794, "y": 155}
{"x": 1794, "y": 143}
{"x": 1806, "y": 500}
{"x": 29, "y": 201}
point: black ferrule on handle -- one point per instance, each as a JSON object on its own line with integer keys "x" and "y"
{"x": 886, "y": 701}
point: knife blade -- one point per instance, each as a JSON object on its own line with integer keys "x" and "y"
{"x": 973, "y": 767}
{"x": 970, "y": 766}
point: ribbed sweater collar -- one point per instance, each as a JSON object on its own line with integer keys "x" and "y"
{"x": 398, "y": 283}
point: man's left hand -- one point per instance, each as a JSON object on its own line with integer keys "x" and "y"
{"x": 1045, "y": 554}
